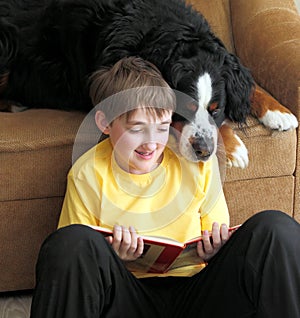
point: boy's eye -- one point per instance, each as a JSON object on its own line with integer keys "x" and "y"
{"x": 164, "y": 128}
{"x": 135, "y": 130}
{"x": 139, "y": 129}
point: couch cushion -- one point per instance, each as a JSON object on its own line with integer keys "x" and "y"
{"x": 217, "y": 13}
{"x": 271, "y": 153}
{"x": 247, "y": 197}
{"x": 24, "y": 226}
{"x": 35, "y": 152}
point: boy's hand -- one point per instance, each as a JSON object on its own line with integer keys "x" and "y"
{"x": 126, "y": 243}
{"x": 211, "y": 244}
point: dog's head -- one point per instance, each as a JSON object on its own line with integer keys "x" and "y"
{"x": 193, "y": 72}
{"x": 195, "y": 120}
{"x": 217, "y": 92}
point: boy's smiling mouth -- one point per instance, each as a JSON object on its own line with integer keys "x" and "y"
{"x": 145, "y": 154}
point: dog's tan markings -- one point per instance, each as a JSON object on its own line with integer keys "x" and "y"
{"x": 270, "y": 112}
{"x": 261, "y": 102}
{"x": 213, "y": 106}
{"x": 229, "y": 141}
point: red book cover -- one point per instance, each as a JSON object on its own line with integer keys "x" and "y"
{"x": 162, "y": 254}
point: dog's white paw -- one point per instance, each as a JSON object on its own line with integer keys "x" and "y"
{"x": 239, "y": 157}
{"x": 279, "y": 120}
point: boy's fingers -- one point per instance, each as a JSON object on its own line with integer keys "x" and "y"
{"x": 224, "y": 233}
{"x": 206, "y": 241}
{"x": 200, "y": 250}
{"x": 140, "y": 247}
{"x": 117, "y": 237}
{"x": 137, "y": 243}
{"x": 134, "y": 242}
{"x": 126, "y": 242}
{"x": 215, "y": 235}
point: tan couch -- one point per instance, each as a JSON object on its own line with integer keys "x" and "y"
{"x": 36, "y": 145}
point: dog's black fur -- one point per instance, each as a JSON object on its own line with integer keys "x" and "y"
{"x": 50, "y": 48}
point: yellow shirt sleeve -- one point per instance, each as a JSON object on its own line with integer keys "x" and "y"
{"x": 74, "y": 210}
{"x": 214, "y": 207}
{"x": 219, "y": 213}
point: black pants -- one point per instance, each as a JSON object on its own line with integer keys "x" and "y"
{"x": 255, "y": 274}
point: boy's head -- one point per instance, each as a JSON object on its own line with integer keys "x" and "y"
{"x": 134, "y": 106}
{"x": 130, "y": 84}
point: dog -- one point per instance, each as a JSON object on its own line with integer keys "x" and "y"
{"x": 49, "y": 48}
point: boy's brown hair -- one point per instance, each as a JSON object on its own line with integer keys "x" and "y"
{"x": 129, "y": 84}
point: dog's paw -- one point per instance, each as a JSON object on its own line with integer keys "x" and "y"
{"x": 238, "y": 156}
{"x": 235, "y": 149}
{"x": 279, "y": 120}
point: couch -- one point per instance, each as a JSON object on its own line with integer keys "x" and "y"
{"x": 36, "y": 145}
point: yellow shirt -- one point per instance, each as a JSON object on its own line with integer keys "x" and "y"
{"x": 178, "y": 199}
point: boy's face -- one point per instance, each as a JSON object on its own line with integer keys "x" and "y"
{"x": 139, "y": 140}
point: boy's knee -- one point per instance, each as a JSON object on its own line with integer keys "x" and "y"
{"x": 272, "y": 221}
{"x": 269, "y": 217}
{"x": 70, "y": 241}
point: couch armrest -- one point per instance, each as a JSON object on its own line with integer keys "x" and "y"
{"x": 266, "y": 35}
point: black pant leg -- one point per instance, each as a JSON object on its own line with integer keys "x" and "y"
{"x": 79, "y": 275}
{"x": 255, "y": 274}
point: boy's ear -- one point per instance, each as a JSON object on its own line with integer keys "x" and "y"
{"x": 101, "y": 122}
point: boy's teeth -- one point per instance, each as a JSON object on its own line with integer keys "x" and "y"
{"x": 144, "y": 153}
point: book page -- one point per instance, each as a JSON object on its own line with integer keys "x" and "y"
{"x": 187, "y": 257}
{"x": 145, "y": 262}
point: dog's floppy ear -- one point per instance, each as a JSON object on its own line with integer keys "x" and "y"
{"x": 239, "y": 85}
{"x": 180, "y": 74}
{"x": 177, "y": 72}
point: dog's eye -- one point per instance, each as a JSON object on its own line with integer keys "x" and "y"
{"x": 214, "y": 110}
{"x": 215, "y": 113}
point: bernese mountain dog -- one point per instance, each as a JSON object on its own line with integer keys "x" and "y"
{"x": 49, "y": 48}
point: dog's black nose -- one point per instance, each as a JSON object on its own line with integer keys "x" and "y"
{"x": 203, "y": 149}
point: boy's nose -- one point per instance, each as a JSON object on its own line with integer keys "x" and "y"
{"x": 149, "y": 146}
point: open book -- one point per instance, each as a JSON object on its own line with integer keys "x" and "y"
{"x": 162, "y": 254}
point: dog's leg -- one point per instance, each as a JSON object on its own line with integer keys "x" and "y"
{"x": 270, "y": 112}
{"x": 236, "y": 151}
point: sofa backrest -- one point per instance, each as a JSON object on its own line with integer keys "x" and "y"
{"x": 217, "y": 13}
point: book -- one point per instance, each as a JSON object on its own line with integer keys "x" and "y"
{"x": 162, "y": 254}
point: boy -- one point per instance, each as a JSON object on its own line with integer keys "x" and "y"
{"x": 134, "y": 182}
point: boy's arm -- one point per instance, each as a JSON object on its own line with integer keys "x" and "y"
{"x": 214, "y": 207}
{"x": 214, "y": 215}
{"x": 219, "y": 213}
{"x": 74, "y": 210}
